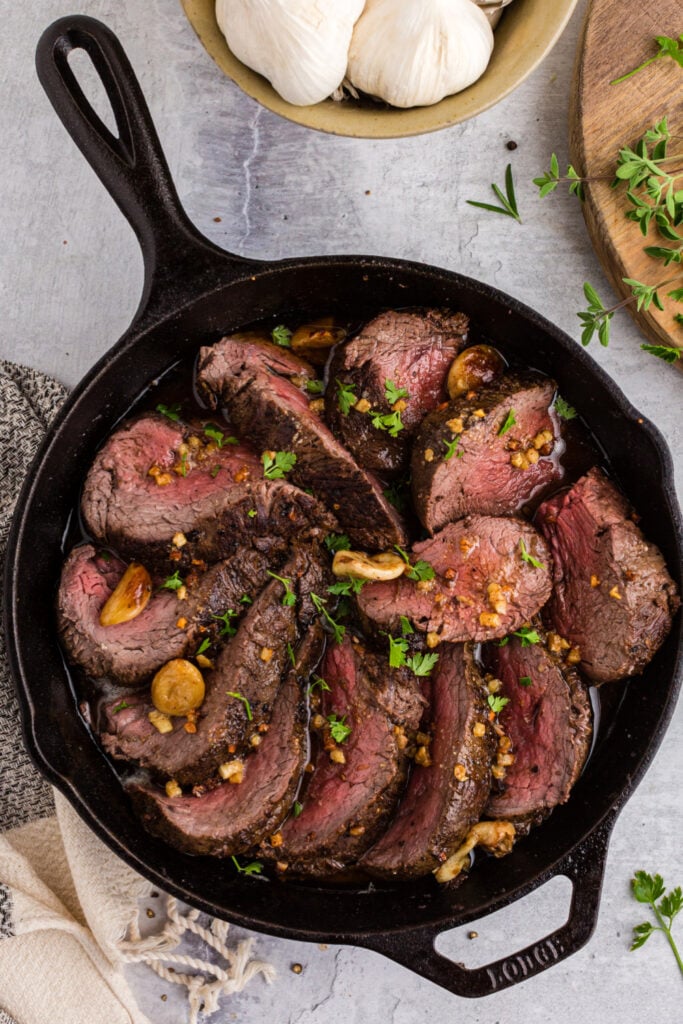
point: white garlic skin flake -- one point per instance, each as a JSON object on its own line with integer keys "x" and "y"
{"x": 412, "y": 53}
{"x": 300, "y": 46}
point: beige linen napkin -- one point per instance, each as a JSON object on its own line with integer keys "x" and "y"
{"x": 69, "y": 908}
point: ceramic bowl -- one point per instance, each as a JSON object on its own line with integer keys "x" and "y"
{"x": 527, "y": 32}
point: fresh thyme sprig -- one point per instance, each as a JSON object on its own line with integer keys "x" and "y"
{"x": 508, "y": 202}
{"x": 649, "y": 889}
{"x": 597, "y": 317}
{"x": 668, "y": 47}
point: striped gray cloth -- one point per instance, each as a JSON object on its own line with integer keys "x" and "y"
{"x": 28, "y": 403}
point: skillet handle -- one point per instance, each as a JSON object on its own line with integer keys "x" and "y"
{"x": 132, "y": 166}
{"x": 584, "y": 867}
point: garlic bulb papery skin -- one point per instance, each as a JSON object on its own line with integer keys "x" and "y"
{"x": 300, "y": 46}
{"x": 412, "y": 53}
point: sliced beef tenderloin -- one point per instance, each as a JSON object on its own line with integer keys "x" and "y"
{"x": 129, "y": 653}
{"x": 613, "y": 598}
{"x": 271, "y": 410}
{"x": 240, "y": 689}
{"x": 548, "y": 721}
{"x": 413, "y": 352}
{"x": 154, "y": 479}
{"x": 346, "y": 805}
{"x": 233, "y": 817}
{"x": 486, "y": 453}
{"x": 491, "y": 575}
{"x": 445, "y": 798}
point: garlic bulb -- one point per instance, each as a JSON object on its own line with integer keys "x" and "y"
{"x": 412, "y": 53}
{"x": 493, "y": 9}
{"x": 301, "y": 46}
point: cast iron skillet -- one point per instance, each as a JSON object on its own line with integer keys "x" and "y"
{"x": 194, "y": 291}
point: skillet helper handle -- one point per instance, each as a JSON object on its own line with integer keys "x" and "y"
{"x": 132, "y": 165}
{"x": 584, "y": 867}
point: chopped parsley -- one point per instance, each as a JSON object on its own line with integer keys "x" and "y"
{"x": 182, "y": 469}
{"x": 212, "y": 431}
{"x": 252, "y": 513}
{"x": 508, "y": 423}
{"x": 339, "y": 731}
{"x": 422, "y": 664}
{"x": 564, "y": 409}
{"x": 215, "y": 471}
{"x": 406, "y": 628}
{"x": 290, "y": 655}
{"x": 398, "y": 648}
{"x": 227, "y": 629}
{"x": 277, "y": 464}
{"x": 346, "y": 396}
{"x": 526, "y": 557}
{"x": 282, "y": 336}
{"x": 315, "y": 387}
{"x": 397, "y": 494}
{"x": 420, "y": 571}
{"x": 525, "y": 680}
{"x": 171, "y": 412}
{"x": 527, "y": 635}
{"x": 173, "y": 582}
{"x": 452, "y": 449}
{"x": 318, "y": 683}
{"x": 349, "y": 585}
{"x": 419, "y": 664}
{"x": 391, "y": 422}
{"x": 245, "y": 599}
{"x": 298, "y": 808}
{"x": 204, "y": 646}
{"x": 247, "y": 705}
{"x": 337, "y": 542}
{"x": 289, "y": 598}
{"x": 120, "y": 707}
{"x": 504, "y": 642}
{"x": 392, "y": 393}
{"x": 319, "y": 605}
{"x": 253, "y": 868}
{"x": 497, "y": 703}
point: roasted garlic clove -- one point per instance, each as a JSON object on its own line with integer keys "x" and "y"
{"x": 178, "y": 688}
{"x": 129, "y": 598}
{"x": 496, "y": 837}
{"x": 314, "y": 341}
{"x": 386, "y": 566}
{"x": 474, "y": 367}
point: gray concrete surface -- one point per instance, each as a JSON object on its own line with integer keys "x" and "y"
{"x": 70, "y": 277}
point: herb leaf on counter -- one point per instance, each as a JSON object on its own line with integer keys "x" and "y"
{"x": 508, "y": 202}
{"x": 649, "y": 889}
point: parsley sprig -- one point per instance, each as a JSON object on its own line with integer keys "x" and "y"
{"x": 346, "y": 396}
{"x": 243, "y": 699}
{"x": 337, "y": 542}
{"x": 508, "y": 202}
{"x": 348, "y": 586}
{"x": 393, "y": 393}
{"x": 289, "y": 598}
{"x": 419, "y": 664}
{"x": 227, "y": 628}
{"x": 318, "y": 683}
{"x": 452, "y": 449}
{"x": 508, "y": 423}
{"x": 339, "y": 730}
{"x": 217, "y": 435}
{"x": 649, "y": 889}
{"x": 497, "y": 703}
{"x": 319, "y": 604}
{"x": 563, "y": 409}
{"x": 420, "y": 571}
{"x": 171, "y": 412}
{"x": 282, "y": 336}
{"x": 276, "y": 465}
{"x": 527, "y": 557}
{"x": 255, "y": 867}
{"x": 390, "y": 422}
{"x": 174, "y": 582}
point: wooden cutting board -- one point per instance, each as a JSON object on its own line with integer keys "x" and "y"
{"x": 617, "y": 36}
